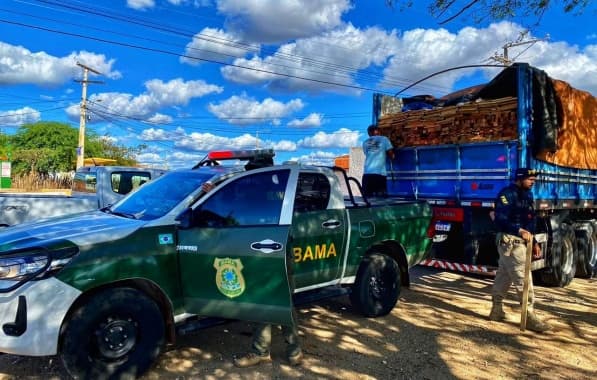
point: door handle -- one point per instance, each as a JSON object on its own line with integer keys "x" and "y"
{"x": 266, "y": 246}
{"x": 331, "y": 224}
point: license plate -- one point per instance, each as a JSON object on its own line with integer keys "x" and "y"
{"x": 442, "y": 226}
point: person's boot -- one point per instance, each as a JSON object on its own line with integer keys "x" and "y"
{"x": 497, "y": 311}
{"x": 535, "y": 324}
{"x": 295, "y": 358}
{"x": 250, "y": 359}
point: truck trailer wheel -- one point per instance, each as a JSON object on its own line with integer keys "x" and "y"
{"x": 563, "y": 258}
{"x": 586, "y": 242}
{"x": 117, "y": 334}
{"x": 377, "y": 285}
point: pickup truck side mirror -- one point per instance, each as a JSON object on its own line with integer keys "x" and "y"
{"x": 185, "y": 219}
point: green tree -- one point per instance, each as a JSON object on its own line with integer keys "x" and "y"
{"x": 487, "y": 10}
{"x": 5, "y": 147}
{"x": 102, "y": 146}
{"x": 46, "y": 147}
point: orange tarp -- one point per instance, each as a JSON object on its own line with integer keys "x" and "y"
{"x": 577, "y": 135}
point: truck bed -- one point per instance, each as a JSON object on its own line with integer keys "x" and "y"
{"x": 18, "y": 208}
{"x": 359, "y": 201}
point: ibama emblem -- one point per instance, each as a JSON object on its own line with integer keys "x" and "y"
{"x": 229, "y": 277}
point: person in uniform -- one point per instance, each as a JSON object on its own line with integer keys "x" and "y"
{"x": 515, "y": 220}
{"x": 377, "y": 149}
{"x": 261, "y": 343}
{"x": 262, "y": 335}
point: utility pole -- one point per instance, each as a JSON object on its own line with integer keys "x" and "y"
{"x": 81, "y": 146}
{"x": 504, "y": 58}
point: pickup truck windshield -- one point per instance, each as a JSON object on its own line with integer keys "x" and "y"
{"x": 156, "y": 198}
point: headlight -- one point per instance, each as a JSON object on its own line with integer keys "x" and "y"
{"x": 15, "y": 268}
{"x": 20, "y": 266}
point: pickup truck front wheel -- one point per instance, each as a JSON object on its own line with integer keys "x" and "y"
{"x": 377, "y": 285}
{"x": 118, "y": 333}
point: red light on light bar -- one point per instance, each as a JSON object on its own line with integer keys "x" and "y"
{"x": 220, "y": 155}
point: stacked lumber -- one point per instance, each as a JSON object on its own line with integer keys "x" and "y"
{"x": 486, "y": 120}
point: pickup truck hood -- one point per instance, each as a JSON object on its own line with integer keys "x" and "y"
{"x": 80, "y": 229}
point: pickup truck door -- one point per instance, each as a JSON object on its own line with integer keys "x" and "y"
{"x": 233, "y": 260}
{"x": 317, "y": 236}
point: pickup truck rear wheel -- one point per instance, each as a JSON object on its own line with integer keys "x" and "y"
{"x": 377, "y": 285}
{"x": 117, "y": 334}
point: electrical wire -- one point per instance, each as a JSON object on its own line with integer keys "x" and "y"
{"x": 388, "y": 81}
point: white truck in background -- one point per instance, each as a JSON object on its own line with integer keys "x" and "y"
{"x": 93, "y": 187}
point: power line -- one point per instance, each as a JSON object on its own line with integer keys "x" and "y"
{"x": 204, "y": 127}
{"x": 189, "y": 57}
{"x": 347, "y": 70}
{"x": 6, "y": 115}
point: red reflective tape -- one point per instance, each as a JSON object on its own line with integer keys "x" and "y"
{"x": 455, "y": 266}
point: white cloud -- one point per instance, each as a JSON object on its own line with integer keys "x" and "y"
{"x": 158, "y": 134}
{"x": 426, "y": 51}
{"x": 22, "y": 66}
{"x": 16, "y": 118}
{"x": 216, "y": 45}
{"x": 316, "y": 158}
{"x": 348, "y": 56}
{"x": 279, "y": 20}
{"x": 159, "y": 94}
{"x": 205, "y": 142}
{"x": 284, "y": 146}
{"x": 243, "y": 110}
{"x": 313, "y": 120}
{"x": 140, "y": 5}
{"x": 342, "y": 138}
{"x": 149, "y": 158}
{"x": 340, "y": 54}
{"x": 568, "y": 63}
{"x": 159, "y": 118}
{"x": 177, "y": 91}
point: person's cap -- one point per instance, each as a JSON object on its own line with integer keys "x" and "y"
{"x": 522, "y": 173}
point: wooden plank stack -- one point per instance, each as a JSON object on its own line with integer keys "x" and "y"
{"x": 486, "y": 120}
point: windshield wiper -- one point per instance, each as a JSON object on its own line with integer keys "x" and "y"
{"x": 106, "y": 209}
{"x": 124, "y": 214}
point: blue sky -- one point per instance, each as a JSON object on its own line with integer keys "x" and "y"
{"x": 188, "y": 76}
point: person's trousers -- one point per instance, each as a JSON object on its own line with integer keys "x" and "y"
{"x": 512, "y": 251}
{"x": 262, "y": 338}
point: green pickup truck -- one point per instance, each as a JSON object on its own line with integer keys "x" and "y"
{"x": 107, "y": 289}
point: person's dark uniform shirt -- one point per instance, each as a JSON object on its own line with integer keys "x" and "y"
{"x": 514, "y": 209}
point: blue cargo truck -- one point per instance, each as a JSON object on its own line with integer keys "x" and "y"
{"x": 458, "y": 151}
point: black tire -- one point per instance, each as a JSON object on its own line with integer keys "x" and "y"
{"x": 117, "y": 334}
{"x": 377, "y": 285}
{"x": 563, "y": 258}
{"x": 586, "y": 242}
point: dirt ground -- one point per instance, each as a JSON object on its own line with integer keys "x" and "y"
{"x": 438, "y": 330}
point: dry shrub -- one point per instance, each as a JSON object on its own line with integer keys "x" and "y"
{"x": 36, "y": 182}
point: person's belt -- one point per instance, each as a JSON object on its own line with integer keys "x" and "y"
{"x": 514, "y": 238}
